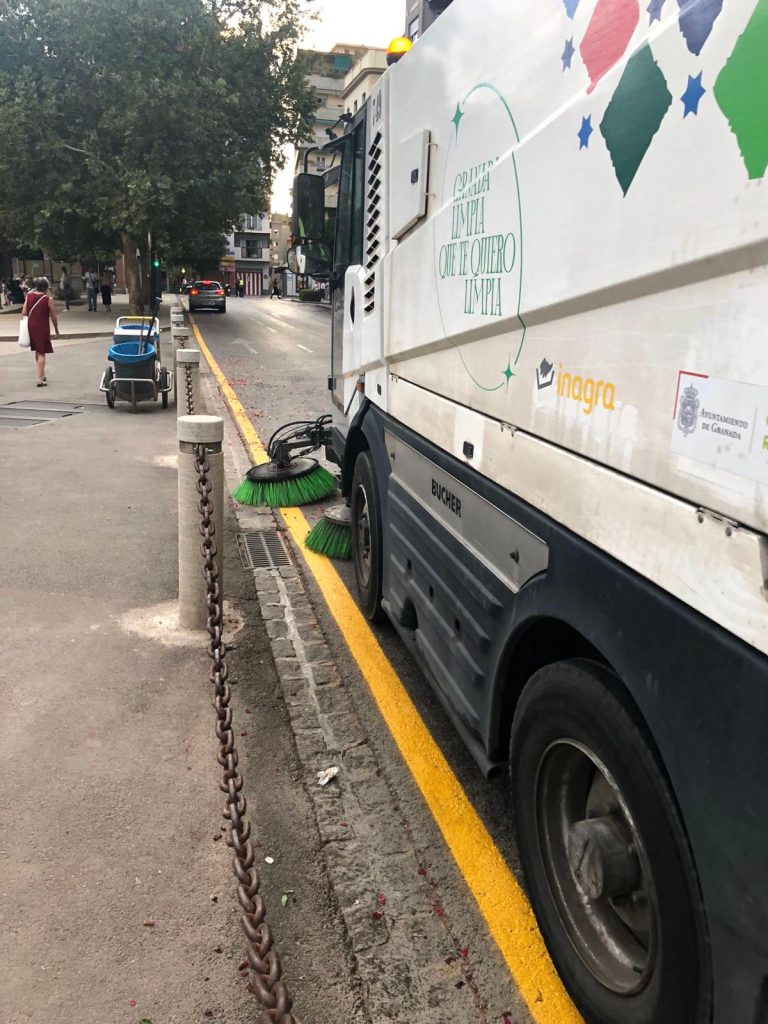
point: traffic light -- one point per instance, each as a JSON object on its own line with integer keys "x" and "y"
{"x": 155, "y": 282}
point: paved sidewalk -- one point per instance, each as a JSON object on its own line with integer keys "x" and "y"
{"x": 116, "y": 894}
{"x": 78, "y": 322}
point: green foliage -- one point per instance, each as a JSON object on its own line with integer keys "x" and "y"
{"x": 310, "y": 294}
{"x": 121, "y": 117}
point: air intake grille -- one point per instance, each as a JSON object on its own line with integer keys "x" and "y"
{"x": 373, "y": 223}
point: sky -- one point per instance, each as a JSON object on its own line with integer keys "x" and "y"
{"x": 369, "y": 22}
{"x": 375, "y": 22}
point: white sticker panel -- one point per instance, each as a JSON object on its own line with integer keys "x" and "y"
{"x": 722, "y": 423}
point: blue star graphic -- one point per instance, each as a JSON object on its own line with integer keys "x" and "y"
{"x": 456, "y": 119}
{"x": 585, "y": 131}
{"x": 692, "y": 95}
{"x": 568, "y": 53}
{"x": 654, "y": 9}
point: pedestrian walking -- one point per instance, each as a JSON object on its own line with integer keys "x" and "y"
{"x": 66, "y": 288}
{"x": 17, "y": 292}
{"x": 91, "y": 286}
{"x": 5, "y": 294}
{"x": 275, "y": 289}
{"x": 40, "y": 308}
{"x": 241, "y": 287}
{"x": 106, "y": 290}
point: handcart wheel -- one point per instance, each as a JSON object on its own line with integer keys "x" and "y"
{"x": 110, "y": 400}
{"x": 164, "y": 386}
{"x": 108, "y": 381}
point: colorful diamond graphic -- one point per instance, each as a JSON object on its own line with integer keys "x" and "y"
{"x": 696, "y": 20}
{"x": 607, "y": 37}
{"x": 741, "y": 91}
{"x": 634, "y": 114}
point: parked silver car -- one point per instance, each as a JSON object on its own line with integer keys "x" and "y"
{"x": 207, "y": 295}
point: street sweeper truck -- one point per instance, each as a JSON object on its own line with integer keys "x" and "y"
{"x": 549, "y": 280}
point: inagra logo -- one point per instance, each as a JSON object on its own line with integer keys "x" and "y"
{"x": 586, "y": 390}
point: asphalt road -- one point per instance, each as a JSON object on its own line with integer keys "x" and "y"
{"x": 276, "y": 355}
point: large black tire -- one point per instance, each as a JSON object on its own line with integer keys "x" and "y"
{"x": 578, "y": 756}
{"x": 366, "y": 537}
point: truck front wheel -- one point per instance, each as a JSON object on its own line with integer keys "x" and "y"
{"x": 606, "y": 859}
{"x": 366, "y": 537}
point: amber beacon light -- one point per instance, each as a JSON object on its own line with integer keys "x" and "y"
{"x": 397, "y": 49}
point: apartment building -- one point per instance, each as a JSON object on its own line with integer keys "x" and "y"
{"x": 327, "y": 70}
{"x": 247, "y": 254}
{"x": 361, "y": 78}
{"x": 419, "y": 15}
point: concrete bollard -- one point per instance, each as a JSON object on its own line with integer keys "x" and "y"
{"x": 180, "y": 338}
{"x": 209, "y": 431}
{"x": 189, "y": 357}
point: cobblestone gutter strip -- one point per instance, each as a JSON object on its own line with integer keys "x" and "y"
{"x": 409, "y": 964}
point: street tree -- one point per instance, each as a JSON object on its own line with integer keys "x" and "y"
{"x": 122, "y": 118}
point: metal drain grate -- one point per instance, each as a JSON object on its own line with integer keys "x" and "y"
{"x": 263, "y": 549}
{"x": 17, "y": 423}
{"x": 31, "y": 414}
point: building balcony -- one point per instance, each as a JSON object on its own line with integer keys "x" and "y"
{"x": 253, "y": 254}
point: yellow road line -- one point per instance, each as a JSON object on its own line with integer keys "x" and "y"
{"x": 499, "y": 897}
{"x": 246, "y": 428}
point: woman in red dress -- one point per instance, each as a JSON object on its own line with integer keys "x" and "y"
{"x": 40, "y": 309}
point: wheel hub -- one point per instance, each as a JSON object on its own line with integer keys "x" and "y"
{"x": 603, "y": 861}
{"x": 597, "y": 867}
{"x": 363, "y": 537}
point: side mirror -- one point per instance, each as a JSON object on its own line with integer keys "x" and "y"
{"x": 313, "y": 259}
{"x": 308, "y": 207}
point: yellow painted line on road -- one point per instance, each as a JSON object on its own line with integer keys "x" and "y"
{"x": 499, "y": 897}
{"x": 246, "y": 428}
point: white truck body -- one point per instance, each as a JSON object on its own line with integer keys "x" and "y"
{"x": 566, "y": 269}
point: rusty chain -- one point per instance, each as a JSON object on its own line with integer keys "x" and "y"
{"x": 264, "y": 962}
{"x": 189, "y": 390}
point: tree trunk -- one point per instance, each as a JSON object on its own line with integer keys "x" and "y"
{"x": 133, "y": 275}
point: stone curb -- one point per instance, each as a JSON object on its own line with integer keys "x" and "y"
{"x": 408, "y": 958}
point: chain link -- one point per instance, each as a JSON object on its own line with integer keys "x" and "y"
{"x": 189, "y": 390}
{"x": 265, "y": 969}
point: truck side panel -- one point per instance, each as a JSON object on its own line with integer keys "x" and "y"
{"x": 702, "y": 695}
{"x": 592, "y": 265}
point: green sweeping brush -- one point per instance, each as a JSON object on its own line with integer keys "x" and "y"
{"x": 300, "y": 483}
{"x": 332, "y": 536}
{"x": 289, "y": 478}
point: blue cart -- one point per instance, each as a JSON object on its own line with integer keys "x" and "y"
{"x": 135, "y": 372}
